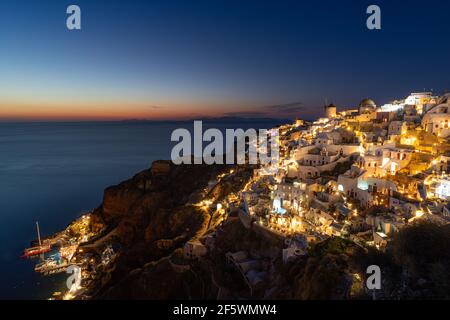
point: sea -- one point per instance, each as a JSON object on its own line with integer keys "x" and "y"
{"x": 53, "y": 172}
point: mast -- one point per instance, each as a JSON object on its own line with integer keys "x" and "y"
{"x": 41, "y": 256}
{"x": 38, "y": 233}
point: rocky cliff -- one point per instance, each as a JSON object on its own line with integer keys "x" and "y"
{"x": 154, "y": 214}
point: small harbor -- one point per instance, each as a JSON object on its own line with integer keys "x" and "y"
{"x": 76, "y": 247}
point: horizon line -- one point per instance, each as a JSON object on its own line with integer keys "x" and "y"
{"x": 148, "y": 120}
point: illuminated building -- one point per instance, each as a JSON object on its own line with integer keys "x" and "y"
{"x": 436, "y": 120}
{"x": 330, "y": 111}
{"x": 366, "y": 106}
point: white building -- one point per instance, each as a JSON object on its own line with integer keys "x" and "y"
{"x": 397, "y": 128}
{"x": 421, "y": 100}
{"x": 437, "y": 119}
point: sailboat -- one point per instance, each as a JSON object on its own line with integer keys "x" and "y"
{"x": 40, "y": 249}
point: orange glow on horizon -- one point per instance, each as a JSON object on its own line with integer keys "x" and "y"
{"x": 101, "y": 112}
{"x": 84, "y": 109}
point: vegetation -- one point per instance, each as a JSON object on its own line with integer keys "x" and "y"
{"x": 414, "y": 266}
{"x": 423, "y": 251}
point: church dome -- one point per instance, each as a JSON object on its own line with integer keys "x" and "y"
{"x": 367, "y": 103}
{"x": 367, "y": 106}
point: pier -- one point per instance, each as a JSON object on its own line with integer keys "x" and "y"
{"x": 47, "y": 268}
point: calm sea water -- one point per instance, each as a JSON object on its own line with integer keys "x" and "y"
{"x": 53, "y": 172}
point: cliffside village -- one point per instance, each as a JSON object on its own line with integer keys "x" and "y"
{"x": 362, "y": 174}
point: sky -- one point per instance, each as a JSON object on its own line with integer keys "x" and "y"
{"x": 176, "y": 59}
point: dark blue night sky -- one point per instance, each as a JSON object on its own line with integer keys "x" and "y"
{"x": 168, "y": 59}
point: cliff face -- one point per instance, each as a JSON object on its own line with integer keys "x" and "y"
{"x": 149, "y": 206}
{"x": 153, "y": 215}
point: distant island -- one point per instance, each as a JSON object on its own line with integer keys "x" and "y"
{"x": 211, "y": 119}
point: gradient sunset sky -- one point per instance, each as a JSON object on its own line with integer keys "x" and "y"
{"x": 197, "y": 58}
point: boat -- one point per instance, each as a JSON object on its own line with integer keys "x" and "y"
{"x": 30, "y": 252}
{"x": 37, "y": 250}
